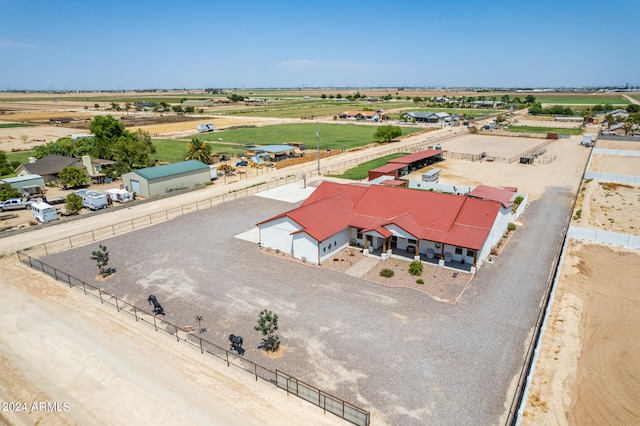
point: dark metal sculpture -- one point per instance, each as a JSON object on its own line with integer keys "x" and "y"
{"x": 236, "y": 343}
{"x": 157, "y": 307}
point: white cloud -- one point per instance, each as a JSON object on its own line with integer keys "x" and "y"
{"x": 5, "y": 43}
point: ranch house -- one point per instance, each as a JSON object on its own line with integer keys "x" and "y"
{"x": 445, "y": 229}
{"x": 361, "y": 116}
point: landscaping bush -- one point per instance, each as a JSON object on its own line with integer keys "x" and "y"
{"x": 415, "y": 267}
{"x": 387, "y": 273}
{"x": 419, "y": 281}
{"x": 511, "y": 226}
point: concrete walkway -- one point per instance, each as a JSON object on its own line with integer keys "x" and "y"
{"x": 362, "y": 267}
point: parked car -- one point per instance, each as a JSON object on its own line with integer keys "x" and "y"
{"x": 15, "y": 204}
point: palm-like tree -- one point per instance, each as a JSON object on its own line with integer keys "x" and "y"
{"x": 199, "y": 150}
{"x": 199, "y": 319}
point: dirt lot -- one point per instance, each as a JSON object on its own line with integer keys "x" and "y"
{"x": 613, "y": 144}
{"x": 608, "y": 206}
{"x": 615, "y": 164}
{"x": 59, "y": 347}
{"x": 533, "y": 179}
{"x": 588, "y": 371}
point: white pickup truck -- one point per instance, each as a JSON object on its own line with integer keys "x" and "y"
{"x": 15, "y": 204}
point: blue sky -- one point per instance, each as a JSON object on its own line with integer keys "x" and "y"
{"x": 144, "y": 44}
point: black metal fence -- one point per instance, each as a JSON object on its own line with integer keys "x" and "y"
{"x": 324, "y": 400}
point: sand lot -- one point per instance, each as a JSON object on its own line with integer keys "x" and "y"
{"x": 615, "y": 164}
{"x": 613, "y": 144}
{"x": 58, "y": 347}
{"x": 588, "y": 370}
{"x": 609, "y": 206}
{"x": 497, "y": 146}
{"x": 530, "y": 178}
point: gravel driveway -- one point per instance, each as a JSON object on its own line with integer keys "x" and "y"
{"x": 407, "y": 358}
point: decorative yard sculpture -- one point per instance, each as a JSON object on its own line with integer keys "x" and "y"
{"x": 236, "y": 343}
{"x": 157, "y": 307}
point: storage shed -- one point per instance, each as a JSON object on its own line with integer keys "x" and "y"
{"x": 27, "y": 184}
{"x": 162, "y": 179}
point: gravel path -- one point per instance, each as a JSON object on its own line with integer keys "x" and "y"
{"x": 398, "y": 352}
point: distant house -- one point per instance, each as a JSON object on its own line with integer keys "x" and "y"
{"x": 51, "y": 165}
{"x": 619, "y": 114}
{"x": 425, "y": 117}
{"x": 159, "y": 180}
{"x": 361, "y": 116}
{"x": 487, "y": 104}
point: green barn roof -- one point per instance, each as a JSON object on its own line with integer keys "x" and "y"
{"x": 171, "y": 169}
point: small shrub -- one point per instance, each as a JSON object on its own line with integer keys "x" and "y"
{"x": 578, "y": 214}
{"x": 415, "y": 267}
{"x": 511, "y": 226}
{"x": 387, "y": 273}
{"x": 419, "y": 281}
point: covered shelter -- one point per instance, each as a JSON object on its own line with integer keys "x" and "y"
{"x": 404, "y": 165}
{"x": 275, "y": 152}
{"x": 26, "y": 184}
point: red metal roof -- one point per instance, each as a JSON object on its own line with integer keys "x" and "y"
{"x": 502, "y": 195}
{"x": 416, "y": 156}
{"x": 388, "y": 168}
{"x": 444, "y": 218}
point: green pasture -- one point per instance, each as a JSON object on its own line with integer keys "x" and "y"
{"x": 532, "y": 129}
{"x": 581, "y": 99}
{"x": 362, "y": 170}
{"x": 21, "y": 157}
{"x": 174, "y": 150}
{"x": 332, "y": 136}
{"x": 14, "y": 125}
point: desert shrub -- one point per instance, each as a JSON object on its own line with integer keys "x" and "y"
{"x": 387, "y": 273}
{"x": 578, "y": 214}
{"x": 419, "y": 281}
{"x": 415, "y": 267}
{"x": 511, "y": 226}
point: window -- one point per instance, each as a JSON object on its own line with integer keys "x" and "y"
{"x": 471, "y": 253}
{"x": 359, "y": 235}
{"x": 458, "y": 250}
{"x": 410, "y": 241}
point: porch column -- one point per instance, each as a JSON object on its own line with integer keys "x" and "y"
{"x": 475, "y": 258}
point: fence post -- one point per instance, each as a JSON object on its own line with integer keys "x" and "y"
{"x": 177, "y": 337}
{"x": 117, "y": 307}
{"x": 84, "y": 287}
{"x": 100, "y": 293}
{"x": 45, "y": 250}
{"x": 255, "y": 368}
{"x": 201, "y": 350}
{"x": 227, "y": 355}
{"x": 135, "y": 313}
{"x": 154, "y": 323}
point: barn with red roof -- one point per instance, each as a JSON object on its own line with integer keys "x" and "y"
{"x": 382, "y": 219}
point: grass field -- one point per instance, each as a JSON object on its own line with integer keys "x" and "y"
{"x": 362, "y": 170}
{"x": 332, "y": 136}
{"x": 174, "y": 150}
{"x": 532, "y": 129}
{"x": 13, "y": 125}
{"x": 21, "y": 157}
{"x": 581, "y": 99}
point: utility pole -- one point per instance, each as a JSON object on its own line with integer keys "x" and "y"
{"x": 318, "y": 139}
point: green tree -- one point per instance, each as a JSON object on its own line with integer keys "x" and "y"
{"x": 338, "y": 96}
{"x": 415, "y": 267}
{"x": 101, "y": 257}
{"x": 189, "y": 109}
{"x": 417, "y": 99}
{"x": 133, "y": 150}
{"x": 198, "y": 150}
{"x": 73, "y": 204}
{"x": 387, "y": 133}
{"x": 633, "y": 108}
{"x": 7, "y": 191}
{"x": 177, "y": 108}
{"x": 628, "y": 125}
{"x": 323, "y": 96}
{"x": 5, "y": 165}
{"x": 530, "y": 99}
{"x": 268, "y": 325}
{"x": 106, "y": 130}
{"x": 567, "y": 111}
{"x": 609, "y": 119}
{"x": 608, "y": 107}
{"x": 597, "y": 108}
{"x": 73, "y": 177}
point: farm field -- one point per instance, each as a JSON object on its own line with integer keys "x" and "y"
{"x": 332, "y": 136}
{"x": 174, "y": 150}
{"x": 581, "y": 99}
